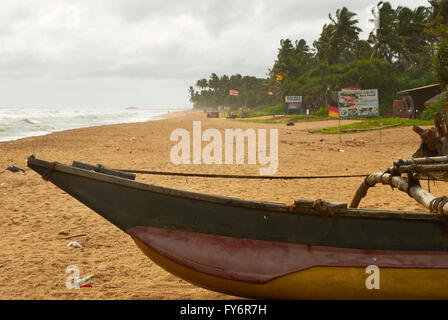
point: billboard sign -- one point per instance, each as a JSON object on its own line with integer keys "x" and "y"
{"x": 293, "y": 99}
{"x": 358, "y": 103}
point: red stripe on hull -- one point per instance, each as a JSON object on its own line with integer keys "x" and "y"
{"x": 261, "y": 261}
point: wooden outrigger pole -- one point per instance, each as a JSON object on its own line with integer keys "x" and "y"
{"x": 429, "y": 167}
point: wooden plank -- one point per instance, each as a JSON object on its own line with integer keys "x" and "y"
{"x": 104, "y": 170}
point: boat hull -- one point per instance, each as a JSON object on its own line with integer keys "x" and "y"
{"x": 268, "y": 250}
{"x": 280, "y": 272}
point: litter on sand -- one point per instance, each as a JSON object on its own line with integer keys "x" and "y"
{"x": 14, "y": 169}
{"x": 75, "y": 244}
{"x": 87, "y": 281}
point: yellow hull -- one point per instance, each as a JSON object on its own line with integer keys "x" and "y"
{"x": 320, "y": 282}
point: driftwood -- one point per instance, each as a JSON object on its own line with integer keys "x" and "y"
{"x": 435, "y": 140}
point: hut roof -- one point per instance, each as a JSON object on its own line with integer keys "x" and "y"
{"x": 419, "y": 88}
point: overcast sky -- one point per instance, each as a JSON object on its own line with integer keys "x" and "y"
{"x": 121, "y": 53}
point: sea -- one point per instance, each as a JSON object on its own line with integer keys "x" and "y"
{"x": 22, "y": 122}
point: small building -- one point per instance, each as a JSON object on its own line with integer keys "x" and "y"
{"x": 414, "y": 100}
{"x": 294, "y": 105}
{"x": 400, "y": 109}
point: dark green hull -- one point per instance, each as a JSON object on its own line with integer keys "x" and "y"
{"x": 128, "y": 204}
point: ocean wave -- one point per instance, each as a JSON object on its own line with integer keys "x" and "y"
{"x": 16, "y": 123}
{"x": 30, "y": 121}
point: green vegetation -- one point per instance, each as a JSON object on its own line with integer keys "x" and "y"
{"x": 441, "y": 63}
{"x": 408, "y": 49}
{"x": 322, "y": 112}
{"x": 438, "y": 106}
{"x": 284, "y": 119}
{"x": 372, "y": 124}
{"x": 266, "y": 110}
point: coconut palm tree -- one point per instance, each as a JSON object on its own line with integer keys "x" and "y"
{"x": 345, "y": 34}
{"x": 438, "y": 19}
{"x": 325, "y": 51}
{"x": 384, "y": 39}
{"x": 338, "y": 39}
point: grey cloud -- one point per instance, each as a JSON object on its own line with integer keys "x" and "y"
{"x": 157, "y": 40}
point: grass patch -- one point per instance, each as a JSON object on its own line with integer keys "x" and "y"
{"x": 367, "y": 124}
{"x": 282, "y": 119}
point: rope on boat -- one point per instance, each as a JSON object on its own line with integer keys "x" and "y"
{"x": 409, "y": 166}
{"x": 436, "y": 206}
{"x": 232, "y": 176}
{"x": 323, "y": 207}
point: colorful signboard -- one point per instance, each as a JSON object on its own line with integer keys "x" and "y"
{"x": 358, "y": 103}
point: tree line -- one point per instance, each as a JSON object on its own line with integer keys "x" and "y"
{"x": 407, "y": 48}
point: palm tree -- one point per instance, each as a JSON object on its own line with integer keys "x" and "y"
{"x": 385, "y": 40}
{"x": 213, "y": 82}
{"x": 324, "y": 46}
{"x": 345, "y": 33}
{"x": 410, "y": 26}
{"x": 338, "y": 39}
{"x": 202, "y": 84}
{"x": 438, "y": 19}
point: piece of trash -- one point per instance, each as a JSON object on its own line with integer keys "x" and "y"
{"x": 87, "y": 285}
{"x": 75, "y": 244}
{"x": 86, "y": 280}
{"x": 14, "y": 169}
{"x": 340, "y": 150}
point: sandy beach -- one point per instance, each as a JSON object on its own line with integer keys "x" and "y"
{"x": 38, "y": 220}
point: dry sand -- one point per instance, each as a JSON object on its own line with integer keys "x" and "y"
{"x": 37, "y": 217}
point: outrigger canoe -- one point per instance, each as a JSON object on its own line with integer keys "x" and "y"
{"x": 267, "y": 250}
